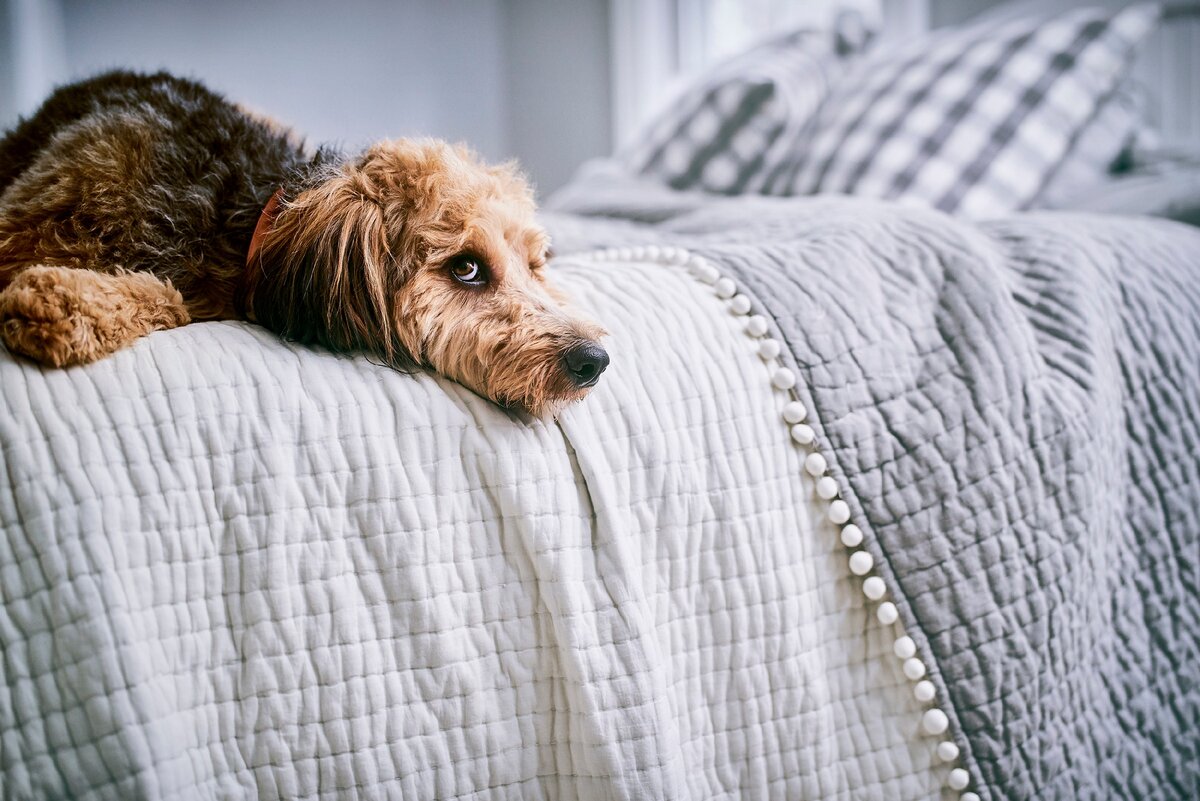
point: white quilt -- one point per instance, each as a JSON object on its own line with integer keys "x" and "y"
{"x": 234, "y": 568}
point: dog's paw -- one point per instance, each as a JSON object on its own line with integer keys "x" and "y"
{"x": 37, "y": 319}
{"x": 60, "y": 316}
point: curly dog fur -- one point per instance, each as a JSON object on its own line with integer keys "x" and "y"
{"x": 129, "y": 203}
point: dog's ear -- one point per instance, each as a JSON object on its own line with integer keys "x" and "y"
{"x": 325, "y": 272}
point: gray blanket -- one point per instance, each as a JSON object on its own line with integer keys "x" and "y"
{"x": 1012, "y": 411}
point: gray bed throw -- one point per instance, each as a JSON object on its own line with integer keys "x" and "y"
{"x": 1012, "y": 410}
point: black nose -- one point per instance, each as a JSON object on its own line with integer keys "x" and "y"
{"x": 585, "y": 362}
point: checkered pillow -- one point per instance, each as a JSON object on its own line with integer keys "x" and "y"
{"x": 718, "y": 136}
{"x": 972, "y": 121}
{"x": 1104, "y": 148}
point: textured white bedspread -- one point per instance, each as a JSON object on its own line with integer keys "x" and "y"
{"x": 234, "y": 568}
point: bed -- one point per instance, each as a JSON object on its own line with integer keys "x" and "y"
{"x": 878, "y": 500}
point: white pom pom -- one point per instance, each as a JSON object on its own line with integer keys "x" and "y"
{"x": 794, "y": 412}
{"x": 814, "y": 463}
{"x": 740, "y": 305}
{"x": 935, "y": 721}
{"x": 637, "y": 253}
{"x": 888, "y": 613}
{"x": 654, "y": 253}
{"x": 676, "y": 255}
{"x": 624, "y": 254}
{"x": 839, "y": 513}
{"x": 725, "y": 288}
{"x": 768, "y": 349}
{"x": 861, "y": 562}
{"x": 968, "y": 797}
{"x": 874, "y": 588}
{"x": 783, "y": 378}
{"x": 924, "y": 691}
{"x": 756, "y": 326}
{"x": 914, "y": 668}
{"x": 947, "y": 751}
{"x": 958, "y": 779}
{"x": 803, "y": 434}
{"x": 852, "y": 536}
{"x": 905, "y": 648}
{"x": 827, "y": 488}
{"x": 705, "y": 273}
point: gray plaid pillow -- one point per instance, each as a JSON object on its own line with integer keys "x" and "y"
{"x": 972, "y": 121}
{"x": 719, "y": 135}
{"x": 1103, "y": 148}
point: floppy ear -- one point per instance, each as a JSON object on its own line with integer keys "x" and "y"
{"x": 325, "y": 272}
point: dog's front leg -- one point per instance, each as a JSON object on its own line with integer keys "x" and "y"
{"x": 61, "y": 316}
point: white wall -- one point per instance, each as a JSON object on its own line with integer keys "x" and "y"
{"x": 558, "y": 92}
{"x": 514, "y": 78}
{"x": 349, "y": 72}
{"x": 8, "y": 88}
{"x": 32, "y": 53}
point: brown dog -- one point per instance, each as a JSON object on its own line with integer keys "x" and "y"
{"x": 131, "y": 203}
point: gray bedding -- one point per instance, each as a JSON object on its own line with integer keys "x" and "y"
{"x": 1168, "y": 188}
{"x": 1012, "y": 410}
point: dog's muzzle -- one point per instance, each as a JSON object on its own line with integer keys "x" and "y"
{"x": 584, "y": 363}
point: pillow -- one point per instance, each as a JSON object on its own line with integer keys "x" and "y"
{"x": 719, "y": 134}
{"x": 1162, "y": 185}
{"x": 1104, "y": 147}
{"x": 969, "y": 120}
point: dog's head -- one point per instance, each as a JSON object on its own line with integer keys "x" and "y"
{"x": 420, "y": 254}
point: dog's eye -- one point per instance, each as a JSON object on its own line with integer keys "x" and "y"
{"x": 468, "y": 270}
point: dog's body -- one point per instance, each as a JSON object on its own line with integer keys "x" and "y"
{"x": 131, "y": 203}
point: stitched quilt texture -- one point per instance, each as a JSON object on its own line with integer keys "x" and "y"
{"x": 236, "y": 568}
{"x": 1012, "y": 409}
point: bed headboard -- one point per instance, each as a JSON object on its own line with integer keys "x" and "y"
{"x": 1168, "y": 70}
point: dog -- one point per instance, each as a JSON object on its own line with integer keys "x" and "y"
{"x": 131, "y": 203}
